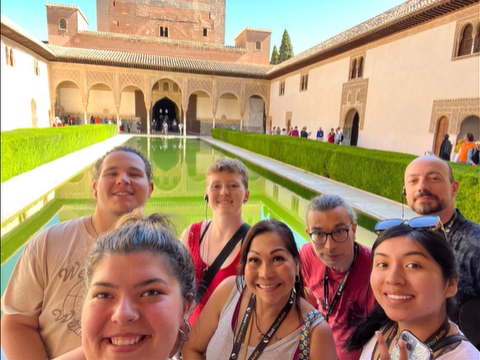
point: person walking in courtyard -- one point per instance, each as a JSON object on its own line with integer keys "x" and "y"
{"x": 180, "y": 128}
{"x": 430, "y": 189}
{"x": 331, "y": 136}
{"x": 320, "y": 134}
{"x": 226, "y": 192}
{"x": 445, "y": 148}
{"x": 165, "y": 128}
{"x": 336, "y": 269}
{"x": 41, "y": 304}
{"x": 139, "y": 126}
{"x": 154, "y": 126}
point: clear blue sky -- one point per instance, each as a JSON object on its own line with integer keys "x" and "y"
{"x": 308, "y": 22}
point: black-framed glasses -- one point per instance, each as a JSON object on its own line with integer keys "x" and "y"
{"x": 338, "y": 235}
{"x": 420, "y": 222}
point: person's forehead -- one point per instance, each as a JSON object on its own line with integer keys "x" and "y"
{"x": 426, "y": 166}
{"x": 121, "y": 157}
{"x": 338, "y": 215}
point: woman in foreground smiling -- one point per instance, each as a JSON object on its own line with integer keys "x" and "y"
{"x": 140, "y": 282}
{"x": 262, "y": 311}
{"x": 414, "y": 275}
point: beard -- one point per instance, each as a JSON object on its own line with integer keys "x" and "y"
{"x": 432, "y": 206}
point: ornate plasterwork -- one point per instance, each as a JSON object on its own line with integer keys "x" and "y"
{"x": 200, "y": 85}
{"x": 233, "y": 87}
{"x": 61, "y": 74}
{"x": 127, "y": 79}
{"x": 456, "y": 110}
{"x": 354, "y": 95}
{"x": 104, "y": 77}
{"x": 256, "y": 89}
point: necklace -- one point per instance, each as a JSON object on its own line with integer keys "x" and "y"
{"x": 93, "y": 226}
{"x": 260, "y": 334}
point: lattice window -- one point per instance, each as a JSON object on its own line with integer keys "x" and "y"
{"x": 35, "y": 67}
{"x": 476, "y": 46}
{"x": 281, "y": 90}
{"x": 62, "y": 24}
{"x": 360, "y": 68}
{"x": 165, "y": 86}
{"x": 304, "y": 82}
{"x": 465, "y": 47}
{"x": 258, "y": 45}
{"x": 353, "y": 73}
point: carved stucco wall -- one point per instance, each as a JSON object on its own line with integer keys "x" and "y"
{"x": 456, "y": 110}
{"x": 354, "y": 96}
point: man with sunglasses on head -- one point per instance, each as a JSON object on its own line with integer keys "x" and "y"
{"x": 336, "y": 269}
{"x": 430, "y": 189}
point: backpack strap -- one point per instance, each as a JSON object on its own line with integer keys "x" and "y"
{"x": 219, "y": 260}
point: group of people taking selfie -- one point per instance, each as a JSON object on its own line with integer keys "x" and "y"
{"x": 120, "y": 284}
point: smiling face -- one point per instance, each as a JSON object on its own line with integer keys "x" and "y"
{"x": 336, "y": 255}
{"x": 428, "y": 188}
{"x": 409, "y": 285}
{"x": 122, "y": 183}
{"x": 270, "y": 269}
{"x": 226, "y": 193}
{"x": 134, "y": 314}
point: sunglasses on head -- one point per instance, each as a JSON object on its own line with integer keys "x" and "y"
{"x": 420, "y": 222}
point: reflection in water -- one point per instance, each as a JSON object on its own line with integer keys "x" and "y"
{"x": 179, "y": 180}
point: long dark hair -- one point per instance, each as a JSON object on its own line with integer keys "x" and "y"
{"x": 437, "y": 246}
{"x": 282, "y": 230}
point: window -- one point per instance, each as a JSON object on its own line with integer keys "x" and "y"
{"x": 357, "y": 65}
{"x": 35, "y": 67}
{"x": 465, "y": 47}
{"x": 353, "y": 74}
{"x": 9, "y": 59}
{"x": 62, "y": 24}
{"x": 163, "y": 31}
{"x": 114, "y": 4}
{"x": 165, "y": 86}
{"x": 258, "y": 45}
{"x": 294, "y": 205}
{"x": 304, "y": 82}
{"x": 476, "y": 45}
{"x": 205, "y": 32}
{"x": 175, "y": 87}
{"x": 360, "y": 68}
{"x": 281, "y": 90}
{"x": 118, "y": 23}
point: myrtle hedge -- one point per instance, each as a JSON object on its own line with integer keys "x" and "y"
{"x": 25, "y": 149}
{"x": 378, "y": 172}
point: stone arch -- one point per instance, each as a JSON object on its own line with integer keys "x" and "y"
{"x": 165, "y": 109}
{"x": 351, "y": 127}
{"x": 470, "y": 124}
{"x": 102, "y": 104}
{"x": 228, "y": 110}
{"x": 255, "y": 119}
{"x": 199, "y": 114}
{"x": 68, "y": 98}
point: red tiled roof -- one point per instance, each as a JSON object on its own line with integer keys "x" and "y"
{"x": 158, "y": 62}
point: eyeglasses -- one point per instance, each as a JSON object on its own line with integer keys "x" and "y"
{"x": 420, "y": 222}
{"x": 338, "y": 235}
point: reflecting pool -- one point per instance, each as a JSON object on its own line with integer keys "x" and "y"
{"x": 179, "y": 167}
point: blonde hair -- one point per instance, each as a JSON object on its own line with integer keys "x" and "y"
{"x": 229, "y": 165}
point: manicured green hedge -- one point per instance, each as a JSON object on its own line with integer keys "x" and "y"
{"x": 375, "y": 171}
{"x": 25, "y": 149}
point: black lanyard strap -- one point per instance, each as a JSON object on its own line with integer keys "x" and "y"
{"x": 330, "y": 308}
{"x": 240, "y": 337}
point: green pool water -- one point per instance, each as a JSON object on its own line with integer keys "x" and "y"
{"x": 179, "y": 167}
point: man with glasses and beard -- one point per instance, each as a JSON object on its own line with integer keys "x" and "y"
{"x": 336, "y": 269}
{"x": 430, "y": 189}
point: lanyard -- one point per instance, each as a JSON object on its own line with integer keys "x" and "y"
{"x": 432, "y": 342}
{"x": 340, "y": 288}
{"x": 239, "y": 339}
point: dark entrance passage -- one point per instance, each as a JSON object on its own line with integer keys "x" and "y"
{"x": 354, "y": 136}
{"x": 164, "y": 109}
